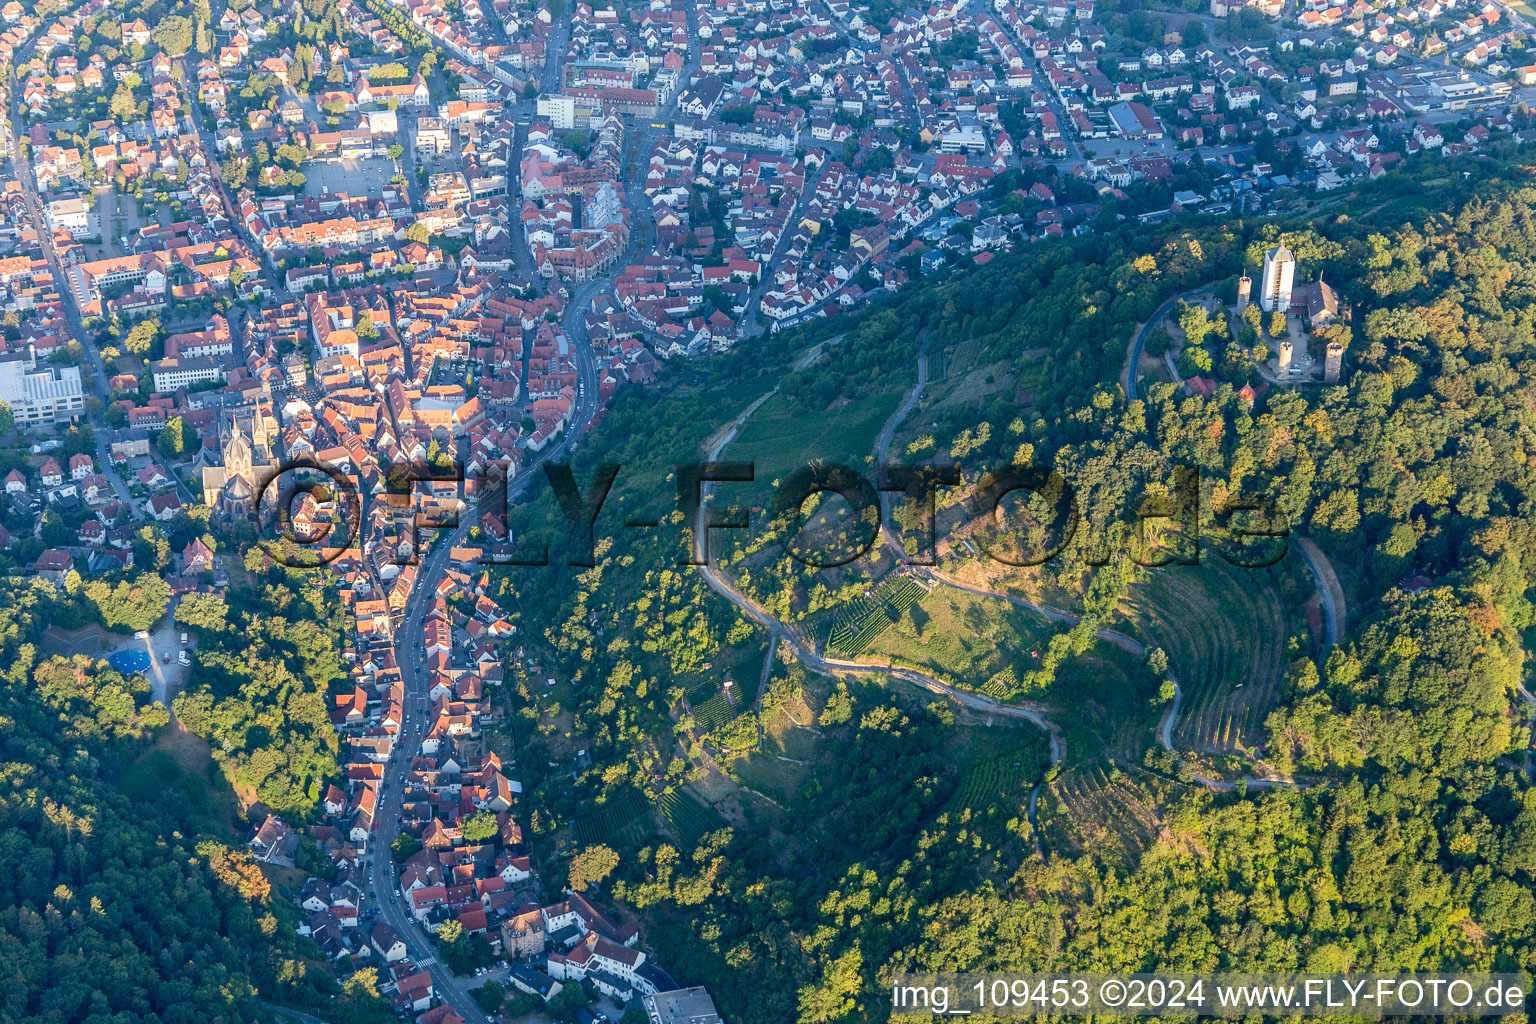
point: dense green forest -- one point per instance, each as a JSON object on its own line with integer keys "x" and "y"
{"x": 128, "y": 893}
{"x": 265, "y": 663}
{"x": 1411, "y": 841}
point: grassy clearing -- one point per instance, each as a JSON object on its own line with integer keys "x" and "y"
{"x": 963, "y": 639}
{"x": 779, "y": 781}
{"x": 178, "y": 767}
{"x": 783, "y": 435}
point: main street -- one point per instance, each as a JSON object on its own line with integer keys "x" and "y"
{"x": 409, "y": 655}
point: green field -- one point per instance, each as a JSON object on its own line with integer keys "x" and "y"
{"x": 964, "y": 639}
{"x": 783, "y": 436}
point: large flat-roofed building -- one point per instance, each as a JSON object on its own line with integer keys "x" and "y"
{"x": 681, "y": 1006}
{"x": 1135, "y": 121}
{"x": 51, "y": 394}
{"x": 173, "y": 372}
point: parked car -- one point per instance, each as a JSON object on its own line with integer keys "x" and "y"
{"x": 142, "y": 634}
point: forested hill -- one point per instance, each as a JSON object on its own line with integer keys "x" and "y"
{"x": 1415, "y": 845}
{"x": 126, "y": 895}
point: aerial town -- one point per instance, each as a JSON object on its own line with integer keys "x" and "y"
{"x": 242, "y": 237}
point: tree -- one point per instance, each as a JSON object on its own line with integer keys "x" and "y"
{"x": 404, "y": 847}
{"x": 142, "y": 336}
{"x": 7, "y": 419}
{"x": 123, "y": 106}
{"x": 490, "y": 996}
{"x": 173, "y": 35}
{"x": 1196, "y": 323}
{"x": 1277, "y": 325}
{"x": 172, "y": 441}
{"x": 1194, "y": 362}
{"x": 395, "y": 151}
{"x": 591, "y": 866}
{"x": 234, "y": 171}
{"x": 567, "y": 1001}
{"x": 290, "y": 155}
{"x": 418, "y": 232}
{"x": 479, "y": 827}
{"x": 202, "y": 611}
{"x": 130, "y": 604}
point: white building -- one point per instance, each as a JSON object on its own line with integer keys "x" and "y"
{"x": 604, "y": 208}
{"x": 1279, "y": 273}
{"x": 69, "y": 214}
{"x": 48, "y": 395}
{"x": 173, "y": 372}
{"x": 561, "y": 111}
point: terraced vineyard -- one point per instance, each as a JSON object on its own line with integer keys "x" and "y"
{"x": 1004, "y": 780}
{"x": 863, "y": 619}
{"x": 1002, "y": 686}
{"x": 709, "y": 705}
{"x": 621, "y": 817}
{"x": 687, "y": 818}
{"x": 1224, "y": 630}
{"x": 1105, "y": 810}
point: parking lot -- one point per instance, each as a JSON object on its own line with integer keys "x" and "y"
{"x": 166, "y": 677}
{"x": 356, "y": 176}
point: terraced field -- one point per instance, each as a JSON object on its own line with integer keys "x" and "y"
{"x": 1106, "y": 810}
{"x": 624, "y": 815}
{"x": 859, "y": 622}
{"x": 687, "y": 818}
{"x": 1004, "y": 780}
{"x": 1224, "y": 630}
{"x": 710, "y": 707}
